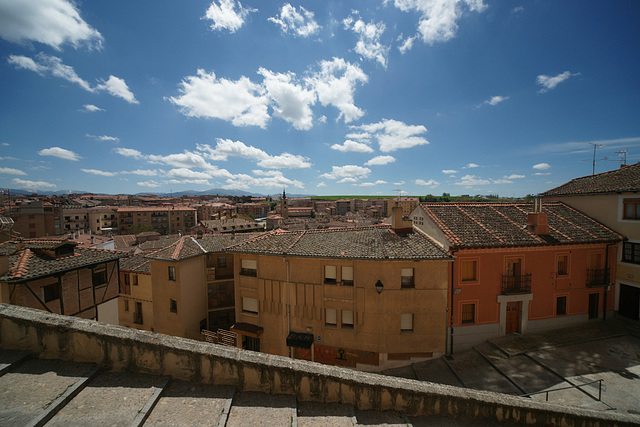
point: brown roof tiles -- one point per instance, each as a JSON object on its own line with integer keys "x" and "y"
{"x": 625, "y": 179}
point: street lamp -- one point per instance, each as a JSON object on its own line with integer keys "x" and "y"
{"x": 379, "y": 286}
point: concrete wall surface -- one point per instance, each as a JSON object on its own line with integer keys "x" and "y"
{"x": 52, "y": 336}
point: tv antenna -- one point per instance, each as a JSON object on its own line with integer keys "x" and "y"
{"x": 595, "y": 145}
{"x": 623, "y": 155}
{"x": 399, "y": 192}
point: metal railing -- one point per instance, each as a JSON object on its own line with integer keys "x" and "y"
{"x": 578, "y": 386}
{"x": 597, "y": 277}
{"x": 516, "y": 284}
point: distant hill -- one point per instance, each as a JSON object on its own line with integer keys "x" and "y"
{"x": 212, "y": 192}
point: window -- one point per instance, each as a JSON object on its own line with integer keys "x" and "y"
{"x": 347, "y": 276}
{"x": 469, "y": 270}
{"x": 561, "y": 306}
{"x": 172, "y": 273}
{"x": 468, "y": 313}
{"x": 99, "y": 276}
{"x": 133, "y": 277}
{"x": 126, "y": 305}
{"x": 347, "y": 319}
{"x": 50, "y": 292}
{"x": 249, "y": 268}
{"x": 249, "y": 305}
{"x": 330, "y": 317}
{"x": 631, "y": 209}
{"x": 631, "y": 252}
{"x": 330, "y": 274}
{"x": 407, "y": 278}
{"x": 406, "y": 322}
{"x": 137, "y": 313}
{"x": 222, "y": 261}
{"x": 563, "y": 265}
{"x": 173, "y": 306}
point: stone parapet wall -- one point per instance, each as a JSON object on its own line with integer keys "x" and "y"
{"x": 119, "y": 348}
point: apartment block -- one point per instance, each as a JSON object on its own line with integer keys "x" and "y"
{"x": 165, "y": 219}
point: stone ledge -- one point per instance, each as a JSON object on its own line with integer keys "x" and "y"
{"x": 119, "y": 348}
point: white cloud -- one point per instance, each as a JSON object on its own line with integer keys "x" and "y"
{"x": 439, "y": 18}
{"x": 61, "y": 153}
{"x": 542, "y": 173}
{"x": 226, "y": 148}
{"x": 352, "y": 146}
{"x": 502, "y": 181}
{"x": 347, "y": 171}
{"x": 227, "y": 15}
{"x": 298, "y": 23}
{"x": 449, "y": 171}
{"x": 12, "y": 171}
{"x": 347, "y": 179}
{"x": 495, "y": 100}
{"x": 380, "y": 160}
{"x": 142, "y": 172}
{"x": 188, "y": 181}
{"x": 550, "y": 82}
{"x": 5, "y": 144}
{"x": 129, "y": 152}
{"x": 321, "y": 184}
{"x": 431, "y": 183}
{"x": 50, "y": 22}
{"x": 149, "y": 184}
{"x": 184, "y": 173}
{"x": 98, "y": 172}
{"x": 335, "y": 85}
{"x": 406, "y": 45}
{"x": 52, "y": 64}
{"x": 541, "y": 166}
{"x": 90, "y": 108}
{"x": 472, "y": 180}
{"x": 272, "y": 180}
{"x": 240, "y": 102}
{"x": 32, "y": 185}
{"x": 292, "y": 101}
{"x": 117, "y": 87}
{"x": 471, "y": 166}
{"x": 368, "y": 44}
{"x": 393, "y": 135}
{"x": 514, "y": 176}
{"x": 103, "y": 138}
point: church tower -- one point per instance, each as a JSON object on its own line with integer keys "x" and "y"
{"x": 284, "y": 206}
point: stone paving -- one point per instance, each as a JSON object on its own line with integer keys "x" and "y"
{"x": 559, "y": 359}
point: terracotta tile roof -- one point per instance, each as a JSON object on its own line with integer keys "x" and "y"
{"x": 190, "y": 246}
{"x": 504, "y": 224}
{"x": 376, "y": 242}
{"x": 136, "y": 263}
{"x": 29, "y": 261}
{"x": 625, "y": 179}
{"x": 154, "y": 208}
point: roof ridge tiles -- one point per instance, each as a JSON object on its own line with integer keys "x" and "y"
{"x": 295, "y": 242}
{"x": 21, "y": 265}
{"x": 384, "y": 249}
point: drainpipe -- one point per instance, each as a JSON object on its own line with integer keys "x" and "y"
{"x": 606, "y": 268}
{"x": 288, "y": 304}
{"x": 451, "y": 289}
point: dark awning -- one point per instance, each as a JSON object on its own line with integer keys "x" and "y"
{"x": 299, "y": 339}
{"x": 247, "y": 329}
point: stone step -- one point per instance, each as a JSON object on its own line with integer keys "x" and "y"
{"x": 9, "y": 359}
{"x": 257, "y": 409}
{"x": 315, "y": 414}
{"x": 120, "y": 398}
{"x": 33, "y": 390}
{"x": 436, "y": 371}
{"x": 475, "y": 372}
{"x": 193, "y": 404}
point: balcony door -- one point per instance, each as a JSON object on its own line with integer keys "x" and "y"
{"x": 514, "y": 267}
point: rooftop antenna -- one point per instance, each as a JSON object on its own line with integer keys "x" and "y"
{"x": 623, "y": 154}
{"x": 595, "y": 145}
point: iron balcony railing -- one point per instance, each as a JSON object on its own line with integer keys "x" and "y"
{"x": 597, "y": 277}
{"x": 516, "y": 284}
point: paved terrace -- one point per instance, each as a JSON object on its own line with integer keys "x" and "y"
{"x": 559, "y": 359}
{"x": 60, "y": 370}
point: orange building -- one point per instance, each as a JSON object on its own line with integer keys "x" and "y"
{"x": 520, "y": 269}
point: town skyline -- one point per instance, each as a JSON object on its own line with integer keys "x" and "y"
{"x": 424, "y": 96}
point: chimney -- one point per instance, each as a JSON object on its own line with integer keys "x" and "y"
{"x": 537, "y": 221}
{"x": 397, "y": 223}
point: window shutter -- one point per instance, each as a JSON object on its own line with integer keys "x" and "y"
{"x": 347, "y": 273}
{"x": 330, "y": 316}
{"x": 330, "y": 272}
{"x": 250, "y": 264}
{"x": 347, "y": 317}
{"x": 407, "y": 272}
{"x": 406, "y": 322}
{"x": 250, "y": 304}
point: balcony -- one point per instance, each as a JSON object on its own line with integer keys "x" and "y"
{"x": 597, "y": 277}
{"x": 516, "y": 284}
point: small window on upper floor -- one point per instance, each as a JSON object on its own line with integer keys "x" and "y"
{"x": 631, "y": 209}
{"x": 172, "y": 273}
{"x": 173, "y": 305}
{"x": 406, "y": 322}
{"x": 249, "y": 268}
{"x": 249, "y": 305}
{"x": 469, "y": 270}
{"x": 222, "y": 261}
{"x": 631, "y": 252}
{"x": 330, "y": 317}
{"x": 563, "y": 265}
{"x": 347, "y": 319}
{"x": 99, "y": 276}
{"x": 50, "y": 292}
{"x": 347, "y": 276}
{"x": 330, "y": 274}
{"x": 407, "y": 280}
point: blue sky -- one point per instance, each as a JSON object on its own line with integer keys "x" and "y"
{"x": 331, "y": 97}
